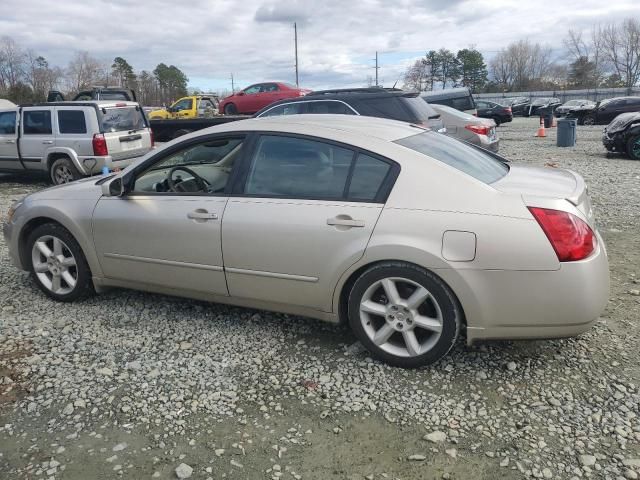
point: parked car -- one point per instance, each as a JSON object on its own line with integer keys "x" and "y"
{"x": 519, "y": 105}
{"x": 193, "y": 106}
{"x": 542, "y": 106}
{"x": 623, "y": 135}
{"x": 254, "y": 98}
{"x": 458, "y": 98}
{"x": 605, "y": 111}
{"x": 371, "y": 102}
{"x": 96, "y": 93}
{"x": 498, "y": 113}
{"x": 70, "y": 140}
{"x": 465, "y": 127}
{"x": 566, "y": 107}
{"x": 407, "y": 235}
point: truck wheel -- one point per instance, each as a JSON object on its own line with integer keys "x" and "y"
{"x": 63, "y": 171}
{"x": 181, "y": 132}
{"x": 230, "y": 109}
{"x": 633, "y": 147}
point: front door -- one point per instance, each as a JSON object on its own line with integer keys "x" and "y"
{"x": 166, "y": 231}
{"x": 8, "y": 142}
{"x": 305, "y": 214}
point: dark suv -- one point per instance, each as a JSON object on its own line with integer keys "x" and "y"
{"x": 96, "y": 93}
{"x": 371, "y": 102}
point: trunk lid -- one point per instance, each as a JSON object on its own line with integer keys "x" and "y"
{"x": 125, "y": 131}
{"x": 548, "y": 182}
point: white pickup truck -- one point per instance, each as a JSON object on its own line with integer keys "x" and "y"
{"x": 70, "y": 140}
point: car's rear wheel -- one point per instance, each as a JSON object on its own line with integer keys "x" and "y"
{"x": 63, "y": 171}
{"x": 633, "y": 147}
{"x": 404, "y": 315}
{"x": 57, "y": 263}
{"x": 497, "y": 120}
{"x": 230, "y": 109}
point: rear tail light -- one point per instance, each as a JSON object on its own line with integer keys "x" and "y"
{"x": 508, "y": 109}
{"x": 570, "y": 236}
{"x": 479, "y": 129}
{"x": 100, "y": 145}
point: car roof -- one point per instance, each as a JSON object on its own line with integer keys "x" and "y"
{"x": 84, "y": 103}
{"x": 325, "y": 125}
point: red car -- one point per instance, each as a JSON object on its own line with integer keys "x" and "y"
{"x": 255, "y": 97}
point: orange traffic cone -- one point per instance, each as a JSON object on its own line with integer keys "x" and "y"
{"x": 541, "y": 132}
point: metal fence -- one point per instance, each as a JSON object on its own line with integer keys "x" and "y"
{"x": 594, "y": 94}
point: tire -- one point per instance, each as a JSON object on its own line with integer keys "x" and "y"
{"x": 230, "y": 109}
{"x": 588, "y": 120}
{"x": 633, "y": 147}
{"x": 63, "y": 171}
{"x": 403, "y": 341}
{"x": 497, "y": 120}
{"x": 63, "y": 260}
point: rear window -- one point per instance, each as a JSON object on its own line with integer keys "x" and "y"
{"x": 459, "y": 103}
{"x": 467, "y": 159}
{"x": 405, "y": 109}
{"x": 121, "y": 119}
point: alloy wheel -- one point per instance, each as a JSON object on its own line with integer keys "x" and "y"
{"x": 635, "y": 148}
{"x": 401, "y": 317}
{"x": 54, "y": 264}
{"x": 62, "y": 174}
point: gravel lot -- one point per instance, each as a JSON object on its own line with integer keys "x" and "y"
{"x": 135, "y": 385}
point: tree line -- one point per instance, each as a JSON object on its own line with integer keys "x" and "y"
{"x": 26, "y": 76}
{"x": 608, "y": 56}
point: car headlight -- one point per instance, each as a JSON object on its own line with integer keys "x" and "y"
{"x": 12, "y": 210}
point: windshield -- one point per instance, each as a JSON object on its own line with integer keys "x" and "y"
{"x": 472, "y": 161}
{"x": 119, "y": 119}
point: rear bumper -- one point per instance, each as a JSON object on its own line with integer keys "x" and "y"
{"x": 93, "y": 165}
{"x": 500, "y": 304}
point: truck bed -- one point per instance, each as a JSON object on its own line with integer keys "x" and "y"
{"x": 166, "y": 130}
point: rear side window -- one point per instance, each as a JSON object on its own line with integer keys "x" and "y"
{"x": 368, "y": 176}
{"x": 329, "y": 107}
{"x": 299, "y": 168}
{"x": 386, "y": 107}
{"x": 456, "y": 154}
{"x": 71, "y": 121}
{"x": 7, "y": 123}
{"x": 37, "y": 122}
{"x": 121, "y": 119}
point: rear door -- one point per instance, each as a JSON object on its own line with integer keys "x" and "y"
{"x": 125, "y": 131}
{"x": 37, "y": 134}
{"x": 8, "y": 141}
{"x": 304, "y": 213}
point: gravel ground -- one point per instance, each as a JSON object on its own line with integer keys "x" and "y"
{"x": 135, "y": 385}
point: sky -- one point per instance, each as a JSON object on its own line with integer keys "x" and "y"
{"x": 253, "y": 39}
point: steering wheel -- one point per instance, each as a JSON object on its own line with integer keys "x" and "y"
{"x": 185, "y": 186}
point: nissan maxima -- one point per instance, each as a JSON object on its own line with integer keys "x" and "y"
{"x": 410, "y": 237}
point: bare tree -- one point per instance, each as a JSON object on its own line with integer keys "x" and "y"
{"x": 521, "y": 65}
{"x": 12, "y": 63}
{"x": 621, "y": 47}
{"x": 83, "y": 72}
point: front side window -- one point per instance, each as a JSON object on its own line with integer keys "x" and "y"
{"x": 8, "y": 123}
{"x": 286, "y": 109}
{"x": 467, "y": 159}
{"x": 71, "y": 121}
{"x": 299, "y": 168}
{"x": 37, "y": 122}
{"x": 201, "y": 168}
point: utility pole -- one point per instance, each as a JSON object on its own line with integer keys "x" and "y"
{"x": 233, "y": 90}
{"x": 295, "y": 39}
{"x": 377, "y": 68}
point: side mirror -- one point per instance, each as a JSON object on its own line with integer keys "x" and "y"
{"x": 113, "y": 187}
{"x": 240, "y": 93}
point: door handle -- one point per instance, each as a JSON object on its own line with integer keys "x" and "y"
{"x": 47, "y": 142}
{"x": 9, "y": 141}
{"x": 345, "y": 221}
{"x": 202, "y": 215}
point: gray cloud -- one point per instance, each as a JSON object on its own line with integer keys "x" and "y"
{"x": 282, "y": 12}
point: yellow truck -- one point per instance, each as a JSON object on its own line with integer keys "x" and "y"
{"x": 194, "y": 106}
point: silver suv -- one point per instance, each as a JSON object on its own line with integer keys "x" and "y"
{"x": 70, "y": 140}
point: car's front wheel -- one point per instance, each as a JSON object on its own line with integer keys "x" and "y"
{"x": 589, "y": 120}
{"x": 230, "y": 109}
{"x": 497, "y": 121}
{"x": 404, "y": 315}
{"x": 633, "y": 147}
{"x": 57, "y": 263}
